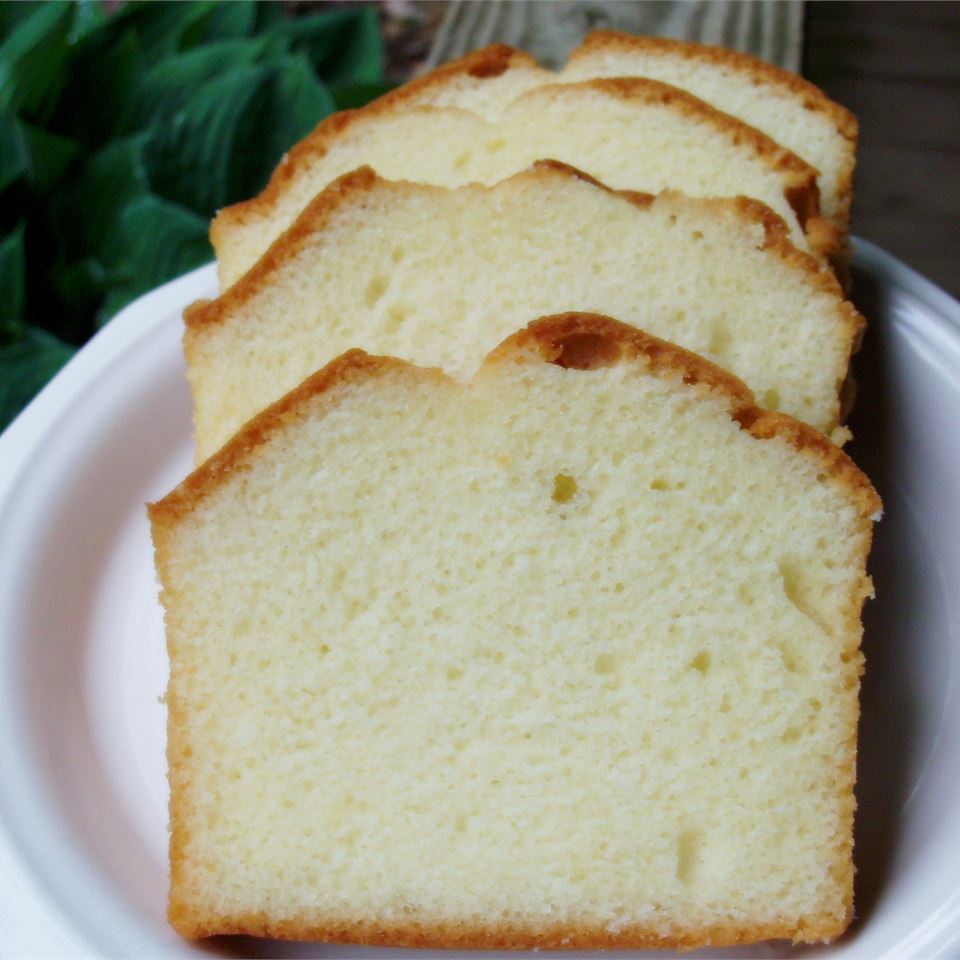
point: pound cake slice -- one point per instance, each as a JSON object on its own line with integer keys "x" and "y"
{"x": 790, "y": 110}
{"x": 563, "y": 657}
{"x": 440, "y": 276}
{"x": 631, "y": 134}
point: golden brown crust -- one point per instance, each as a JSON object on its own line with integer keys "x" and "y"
{"x": 483, "y": 64}
{"x": 758, "y": 70}
{"x": 799, "y": 178}
{"x": 494, "y": 60}
{"x": 576, "y": 936}
{"x": 353, "y": 187}
{"x": 550, "y": 337}
{"x": 236, "y": 455}
{"x": 761, "y": 73}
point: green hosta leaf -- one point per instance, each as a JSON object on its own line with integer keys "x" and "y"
{"x": 89, "y": 208}
{"x": 162, "y": 241}
{"x": 123, "y": 129}
{"x": 317, "y": 37}
{"x": 193, "y": 157}
{"x": 26, "y": 364}
{"x": 104, "y": 89}
{"x": 361, "y": 58}
{"x": 33, "y": 60}
{"x": 289, "y": 104}
{"x": 355, "y": 95}
{"x": 12, "y": 161}
{"x": 88, "y": 17}
{"x": 171, "y": 84}
{"x": 230, "y": 21}
{"x": 344, "y": 45}
{"x": 31, "y": 152}
{"x": 83, "y": 283}
{"x": 12, "y": 12}
{"x": 222, "y": 145}
{"x": 47, "y": 156}
{"x": 164, "y": 27}
{"x": 13, "y": 271}
{"x": 268, "y": 16}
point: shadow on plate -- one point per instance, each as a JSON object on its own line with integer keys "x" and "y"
{"x": 889, "y": 702}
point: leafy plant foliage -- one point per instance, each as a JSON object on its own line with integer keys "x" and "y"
{"x": 122, "y": 133}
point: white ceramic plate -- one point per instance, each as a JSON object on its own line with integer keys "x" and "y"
{"x": 82, "y": 666}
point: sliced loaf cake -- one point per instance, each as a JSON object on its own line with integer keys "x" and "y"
{"x": 789, "y": 109}
{"x": 440, "y": 276}
{"x": 563, "y": 657}
{"x": 631, "y": 134}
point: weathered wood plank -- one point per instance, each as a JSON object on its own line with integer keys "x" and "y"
{"x": 897, "y": 66}
{"x": 769, "y": 29}
{"x": 900, "y": 112}
{"x": 908, "y": 181}
{"x": 908, "y": 12}
{"x": 838, "y": 48}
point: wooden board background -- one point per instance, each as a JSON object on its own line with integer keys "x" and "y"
{"x": 550, "y": 29}
{"x": 896, "y": 65}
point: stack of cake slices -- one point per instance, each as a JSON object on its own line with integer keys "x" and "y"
{"x": 515, "y": 599}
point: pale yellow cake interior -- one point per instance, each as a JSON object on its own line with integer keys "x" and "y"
{"x": 561, "y": 647}
{"x": 625, "y": 141}
{"x": 439, "y": 277}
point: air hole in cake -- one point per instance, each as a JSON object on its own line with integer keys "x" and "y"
{"x": 462, "y": 160}
{"x": 397, "y": 254}
{"x": 460, "y": 823}
{"x": 659, "y": 484}
{"x": 701, "y": 662}
{"x": 797, "y": 592}
{"x": 792, "y": 659}
{"x": 397, "y": 314}
{"x": 586, "y": 351}
{"x": 495, "y": 146}
{"x": 376, "y": 288}
{"x": 719, "y": 338}
{"x": 689, "y": 845}
{"x": 605, "y": 664}
{"x": 791, "y": 734}
{"x": 564, "y": 488}
{"x": 771, "y": 399}
{"x": 454, "y": 673}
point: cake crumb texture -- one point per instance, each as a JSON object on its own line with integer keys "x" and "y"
{"x": 631, "y": 133}
{"x": 565, "y": 655}
{"x": 439, "y": 276}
